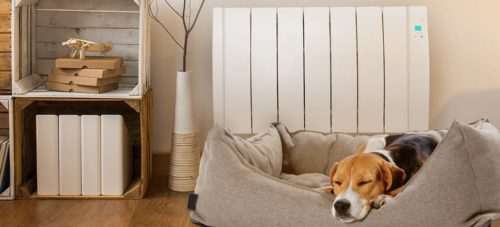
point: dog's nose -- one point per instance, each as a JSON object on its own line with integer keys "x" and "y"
{"x": 342, "y": 206}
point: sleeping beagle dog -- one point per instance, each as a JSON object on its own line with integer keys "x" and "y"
{"x": 376, "y": 173}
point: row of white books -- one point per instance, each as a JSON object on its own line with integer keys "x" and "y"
{"x": 82, "y": 155}
{"x": 4, "y": 164}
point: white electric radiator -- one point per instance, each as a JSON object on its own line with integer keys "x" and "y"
{"x": 341, "y": 69}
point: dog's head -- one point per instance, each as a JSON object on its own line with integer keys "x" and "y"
{"x": 358, "y": 179}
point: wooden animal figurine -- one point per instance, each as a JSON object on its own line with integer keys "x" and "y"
{"x": 82, "y": 46}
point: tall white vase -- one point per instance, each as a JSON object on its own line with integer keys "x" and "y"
{"x": 185, "y": 156}
{"x": 184, "y": 119}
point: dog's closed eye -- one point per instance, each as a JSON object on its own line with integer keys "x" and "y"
{"x": 364, "y": 182}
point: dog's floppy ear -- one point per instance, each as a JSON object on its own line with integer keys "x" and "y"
{"x": 332, "y": 172}
{"x": 362, "y": 147}
{"x": 393, "y": 176}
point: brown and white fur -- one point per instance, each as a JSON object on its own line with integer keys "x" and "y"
{"x": 376, "y": 173}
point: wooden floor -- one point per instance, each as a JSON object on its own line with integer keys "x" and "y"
{"x": 160, "y": 208}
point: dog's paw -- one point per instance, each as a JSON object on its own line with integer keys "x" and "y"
{"x": 380, "y": 200}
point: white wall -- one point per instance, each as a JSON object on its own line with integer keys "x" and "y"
{"x": 465, "y": 60}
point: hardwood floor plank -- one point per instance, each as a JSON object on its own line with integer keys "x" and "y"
{"x": 160, "y": 207}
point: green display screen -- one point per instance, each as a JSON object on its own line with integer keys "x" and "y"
{"x": 418, "y": 28}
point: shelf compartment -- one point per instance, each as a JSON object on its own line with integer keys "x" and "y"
{"x": 41, "y": 26}
{"x": 137, "y": 116}
{"x": 6, "y": 129}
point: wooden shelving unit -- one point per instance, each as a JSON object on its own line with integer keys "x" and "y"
{"x": 39, "y": 28}
{"x": 5, "y": 86}
{"x": 6, "y": 129}
{"x": 5, "y": 47}
{"x": 137, "y": 115}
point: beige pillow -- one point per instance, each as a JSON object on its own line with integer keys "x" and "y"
{"x": 262, "y": 150}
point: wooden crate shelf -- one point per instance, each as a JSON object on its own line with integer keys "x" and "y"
{"x": 137, "y": 115}
{"x": 5, "y": 47}
{"x": 6, "y": 129}
{"x": 40, "y": 26}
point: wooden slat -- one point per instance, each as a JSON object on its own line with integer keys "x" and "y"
{"x": 24, "y": 57}
{"x": 144, "y": 58}
{"x": 56, "y": 50}
{"x": 317, "y": 69}
{"x": 5, "y": 45}
{"x": 32, "y": 40}
{"x": 396, "y": 69}
{"x": 5, "y": 6}
{"x": 117, "y": 36}
{"x": 4, "y": 120}
{"x": 86, "y": 20}
{"x": 418, "y": 69}
{"x": 218, "y": 66}
{"x": 5, "y": 81}
{"x": 371, "y": 70}
{"x": 5, "y": 23}
{"x": 291, "y": 68}
{"x": 264, "y": 68}
{"x": 5, "y": 61}
{"x": 237, "y": 69}
{"x": 344, "y": 70}
{"x": 89, "y": 5}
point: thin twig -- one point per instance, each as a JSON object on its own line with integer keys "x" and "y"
{"x": 197, "y": 15}
{"x": 173, "y": 9}
{"x": 155, "y": 18}
{"x": 183, "y": 16}
{"x": 189, "y": 17}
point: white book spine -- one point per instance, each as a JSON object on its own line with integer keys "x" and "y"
{"x": 91, "y": 155}
{"x": 47, "y": 154}
{"x": 70, "y": 159}
{"x": 115, "y": 155}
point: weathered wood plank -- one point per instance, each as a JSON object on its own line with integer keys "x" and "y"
{"x": 4, "y": 121}
{"x": 5, "y": 23}
{"x": 117, "y": 36}
{"x": 56, "y": 50}
{"x": 5, "y": 45}
{"x": 5, "y": 62}
{"x": 87, "y": 20}
{"x": 4, "y": 6}
{"x": 44, "y": 66}
{"x": 125, "y": 5}
{"x": 5, "y": 81}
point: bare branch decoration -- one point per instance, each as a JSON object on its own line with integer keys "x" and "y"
{"x": 186, "y": 22}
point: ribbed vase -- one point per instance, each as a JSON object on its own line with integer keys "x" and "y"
{"x": 185, "y": 156}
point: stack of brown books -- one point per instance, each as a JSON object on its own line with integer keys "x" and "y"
{"x": 93, "y": 75}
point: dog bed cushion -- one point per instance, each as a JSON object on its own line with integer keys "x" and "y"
{"x": 458, "y": 186}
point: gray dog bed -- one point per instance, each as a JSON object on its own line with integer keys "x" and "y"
{"x": 242, "y": 183}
